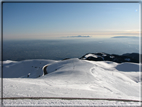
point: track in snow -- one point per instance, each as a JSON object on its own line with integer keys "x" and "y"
{"x": 72, "y": 98}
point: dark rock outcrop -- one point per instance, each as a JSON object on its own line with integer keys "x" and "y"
{"x": 128, "y": 57}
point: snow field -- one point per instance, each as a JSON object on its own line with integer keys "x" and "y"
{"x": 64, "y": 103}
{"x": 71, "y": 78}
{"x": 21, "y": 69}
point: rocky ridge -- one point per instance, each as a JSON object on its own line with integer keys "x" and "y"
{"x": 128, "y": 57}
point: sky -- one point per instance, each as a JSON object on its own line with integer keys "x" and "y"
{"x": 65, "y": 20}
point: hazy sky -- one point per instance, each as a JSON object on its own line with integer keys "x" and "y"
{"x": 60, "y": 20}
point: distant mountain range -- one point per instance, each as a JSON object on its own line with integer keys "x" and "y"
{"x": 128, "y": 57}
{"x": 79, "y": 36}
{"x": 125, "y": 37}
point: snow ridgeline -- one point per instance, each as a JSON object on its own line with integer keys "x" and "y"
{"x": 38, "y": 67}
{"x": 71, "y": 78}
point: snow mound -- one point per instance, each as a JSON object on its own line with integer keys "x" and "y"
{"x": 24, "y": 69}
{"x": 102, "y": 77}
{"x": 8, "y": 61}
{"x": 88, "y": 55}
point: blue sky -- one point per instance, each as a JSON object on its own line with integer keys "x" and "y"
{"x": 60, "y": 20}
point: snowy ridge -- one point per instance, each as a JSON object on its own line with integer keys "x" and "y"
{"x": 74, "y": 78}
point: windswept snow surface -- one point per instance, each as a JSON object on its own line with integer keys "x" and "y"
{"x": 71, "y": 78}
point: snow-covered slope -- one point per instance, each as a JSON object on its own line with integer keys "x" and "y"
{"x": 72, "y": 78}
{"x": 24, "y": 69}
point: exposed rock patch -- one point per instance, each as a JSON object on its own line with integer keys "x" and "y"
{"x": 128, "y": 57}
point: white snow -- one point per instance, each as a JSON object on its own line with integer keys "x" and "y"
{"x": 70, "y": 103}
{"x": 88, "y": 55}
{"x": 8, "y": 62}
{"x": 21, "y": 69}
{"x": 71, "y": 78}
{"x": 92, "y": 55}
